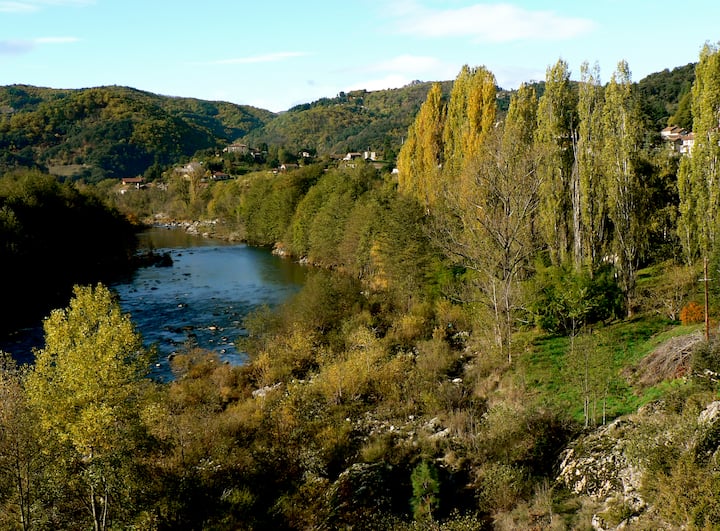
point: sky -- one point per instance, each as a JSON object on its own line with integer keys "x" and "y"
{"x": 274, "y": 54}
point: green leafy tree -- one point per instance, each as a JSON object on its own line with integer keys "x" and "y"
{"x": 699, "y": 177}
{"x": 621, "y": 163}
{"x": 85, "y": 387}
{"x": 555, "y": 138}
{"x": 590, "y": 219}
{"x": 683, "y": 114}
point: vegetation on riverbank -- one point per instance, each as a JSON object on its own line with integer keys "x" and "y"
{"x": 52, "y": 236}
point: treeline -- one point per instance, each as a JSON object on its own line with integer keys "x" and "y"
{"x": 353, "y": 121}
{"x": 52, "y": 236}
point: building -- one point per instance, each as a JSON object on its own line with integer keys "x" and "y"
{"x": 241, "y": 149}
{"x": 678, "y": 139}
{"x": 136, "y": 182}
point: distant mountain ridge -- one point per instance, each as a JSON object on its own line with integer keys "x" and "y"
{"x": 115, "y": 131}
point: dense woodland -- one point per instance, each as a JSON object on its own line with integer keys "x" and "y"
{"x": 500, "y": 299}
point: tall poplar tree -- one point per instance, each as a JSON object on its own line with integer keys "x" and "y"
{"x": 591, "y": 225}
{"x": 699, "y": 176}
{"x": 688, "y": 219}
{"x": 471, "y": 114}
{"x": 621, "y": 156}
{"x": 421, "y": 156}
{"x": 555, "y": 138}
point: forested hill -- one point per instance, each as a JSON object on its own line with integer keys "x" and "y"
{"x": 115, "y": 132}
{"x": 352, "y": 121}
{"x": 666, "y": 96}
{"x": 112, "y": 131}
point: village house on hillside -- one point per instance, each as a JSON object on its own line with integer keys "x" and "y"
{"x": 131, "y": 183}
{"x": 242, "y": 149}
{"x": 678, "y": 139}
{"x": 135, "y": 182}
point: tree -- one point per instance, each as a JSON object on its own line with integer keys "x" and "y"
{"x": 470, "y": 118}
{"x": 85, "y": 386}
{"x": 20, "y": 456}
{"x": 621, "y": 164}
{"x": 589, "y": 220}
{"x": 555, "y": 138}
{"x": 489, "y": 225}
{"x": 420, "y": 159}
{"x": 426, "y": 487}
{"x": 699, "y": 177}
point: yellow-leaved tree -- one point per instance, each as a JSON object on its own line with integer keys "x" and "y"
{"x": 86, "y": 386}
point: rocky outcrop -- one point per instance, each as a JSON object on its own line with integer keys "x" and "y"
{"x": 597, "y": 466}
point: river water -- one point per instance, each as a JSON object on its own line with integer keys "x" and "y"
{"x": 201, "y": 299}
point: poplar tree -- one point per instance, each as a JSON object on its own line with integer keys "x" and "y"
{"x": 21, "y": 461}
{"x": 421, "y": 156}
{"x": 687, "y": 208}
{"x": 471, "y": 116}
{"x": 555, "y": 138}
{"x": 699, "y": 176}
{"x": 621, "y": 157}
{"x": 591, "y": 223}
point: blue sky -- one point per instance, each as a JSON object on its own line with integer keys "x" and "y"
{"x": 274, "y": 54}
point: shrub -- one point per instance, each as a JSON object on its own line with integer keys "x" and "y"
{"x": 692, "y": 313}
{"x": 501, "y": 486}
{"x": 567, "y": 299}
{"x": 426, "y": 487}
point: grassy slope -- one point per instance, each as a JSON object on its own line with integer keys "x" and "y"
{"x": 554, "y": 378}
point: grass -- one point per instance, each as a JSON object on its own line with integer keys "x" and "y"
{"x": 556, "y": 376}
{"x": 66, "y": 170}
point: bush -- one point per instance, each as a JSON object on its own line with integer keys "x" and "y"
{"x": 501, "y": 486}
{"x": 566, "y": 300}
{"x": 692, "y": 313}
{"x": 426, "y": 487}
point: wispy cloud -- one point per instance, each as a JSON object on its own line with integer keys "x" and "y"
{"x": 499, "y": 22}
{"x": 15, "y": 47}
{"x": 30, "y": 6}
{"x": 21, "y": 46}
{"x": 264, "y": 58}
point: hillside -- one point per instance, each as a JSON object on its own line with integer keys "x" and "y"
{"x": 112, "y": 131}
{"x": 354, "y": 121}
{"x": 662, "y": 93}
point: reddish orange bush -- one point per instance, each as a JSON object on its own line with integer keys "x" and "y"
{"x": 691, "y": 313}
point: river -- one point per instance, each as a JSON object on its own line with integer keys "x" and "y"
{"x": 201, "y": 299}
